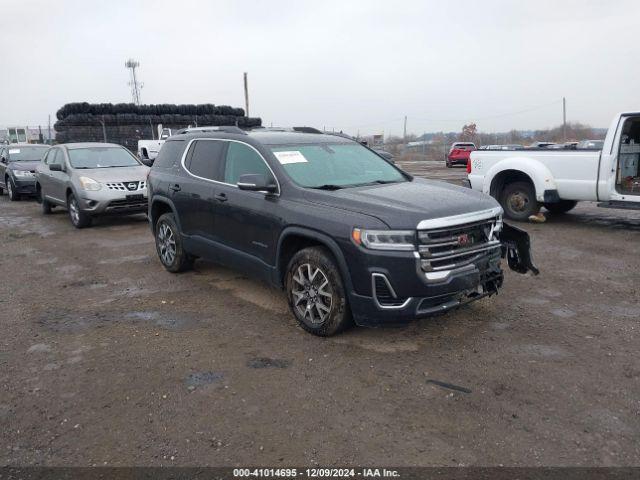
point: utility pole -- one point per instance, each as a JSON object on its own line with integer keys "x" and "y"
{"x": 104, "y": 130}
{"x": 49, "y": 123}
{"x": 132, "y": 64}
{"x": 246, "y": 94}
{"x": 564, "y": 118}
{"x": 404, "y": 136}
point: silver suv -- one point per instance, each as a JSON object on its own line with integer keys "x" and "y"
{"x": 90, "y": 179}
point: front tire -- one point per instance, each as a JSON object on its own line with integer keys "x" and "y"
{"x": 79, "y": 219}
{"x": 518, "y": 199}
{"x": 169, "y": 245}
{"x": 316, "y": 294}
{"x": 11, "y": 190}
{"x": 563, "y": 206}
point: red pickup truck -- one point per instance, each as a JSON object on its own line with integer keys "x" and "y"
{"x": 459, "y": 153}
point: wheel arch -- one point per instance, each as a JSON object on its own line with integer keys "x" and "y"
{"x": 159, "y": 206}
{"x": 293, "y": 239}
{"x": 519, "y": 169}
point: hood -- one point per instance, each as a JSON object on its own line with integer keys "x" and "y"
{"x": 24, "y": 165}
{"x": 404, "y": 205}
{"x": 116, "y": 174}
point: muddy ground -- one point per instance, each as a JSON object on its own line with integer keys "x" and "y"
{"x": 108, "y": 359}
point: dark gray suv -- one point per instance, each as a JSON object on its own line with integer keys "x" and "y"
{"x": 347, "y": 234}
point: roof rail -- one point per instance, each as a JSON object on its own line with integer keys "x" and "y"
{"x": 289, "y": 129}
{"x": 307, "y": 130}
{"x": 223, "y": 129}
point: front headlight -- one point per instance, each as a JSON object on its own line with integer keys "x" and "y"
{"x": 385, "y": 239}
{"x": 22, "y": 173}
{"x": 89, "y": 184}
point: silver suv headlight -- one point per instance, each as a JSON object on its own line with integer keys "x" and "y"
{"x": 404, "y": 240}
{"x": 22, "y": 173}
{"x": 89, "y": 184}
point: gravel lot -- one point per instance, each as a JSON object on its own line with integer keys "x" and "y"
{"x": 107, "y": 359}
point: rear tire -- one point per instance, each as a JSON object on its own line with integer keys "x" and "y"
{"x": 518, "y": 199}
{"x": 316, "y": 294}
{"x": 448, "y": 164}
{"x": 79, "y": 219}
{"x": 169, "y": 245}
{"x": 563, "y": 206}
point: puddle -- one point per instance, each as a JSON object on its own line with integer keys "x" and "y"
{"x": 202, "y": 378}
{"x": 127, "y": 259}
{"x": 169, "y": 320}
{"x": 69, "y": 322}
{"x": 546, "y": 351}
{"x": 265, "y": 362}
{"x": 563, "y": 312}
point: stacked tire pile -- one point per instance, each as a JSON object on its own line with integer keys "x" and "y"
{"x": 126, "y": 123}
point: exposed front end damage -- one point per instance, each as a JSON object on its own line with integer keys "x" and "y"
{"x": 516, "y": 248}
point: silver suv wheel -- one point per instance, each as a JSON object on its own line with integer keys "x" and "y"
{"x": 74, "y": 211}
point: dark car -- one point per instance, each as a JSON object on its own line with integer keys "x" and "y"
{"x": 345, "y": 233}
{"x": 18, "y": 164}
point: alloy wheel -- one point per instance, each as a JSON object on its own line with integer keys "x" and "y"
{"x": 74, "y": 211}
{"x": 9, "y": 188}
{"x": 312, "y": 292}
{"x": 166, "y": 244}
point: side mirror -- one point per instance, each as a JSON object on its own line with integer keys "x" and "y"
{"x": 257, "y": 182}
{"x": 3, "y": 160}
{"x": 146, "y": 161}
{"x": 55, "y": 167}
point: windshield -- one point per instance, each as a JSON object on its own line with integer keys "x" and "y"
{"x": 334, "y": 165}
{"x": 101, "y": 157}
{"x": 27, "y": 154}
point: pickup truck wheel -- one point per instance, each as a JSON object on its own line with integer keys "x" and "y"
{"x": 315, "y": 292}
{"x": 563, "y": 206}
{"x": 169, "y": 245}
{"x": 448, "y": 164}
{"x": 79, "y": 219}
{"x": 519, "y": 202}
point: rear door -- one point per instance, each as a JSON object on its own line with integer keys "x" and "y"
{"x": 192, "y": 192}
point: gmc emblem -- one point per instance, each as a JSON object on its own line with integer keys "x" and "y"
{"x": 464, "y": 240}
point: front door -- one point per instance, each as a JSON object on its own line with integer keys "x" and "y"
{"x": 246, "y": 221}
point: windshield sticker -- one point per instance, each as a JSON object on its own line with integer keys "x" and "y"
{"x": 14, "y": 150}
{"x": 293, "y": 156}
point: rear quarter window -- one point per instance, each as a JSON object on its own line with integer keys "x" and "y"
{"x": 170, "y": 154}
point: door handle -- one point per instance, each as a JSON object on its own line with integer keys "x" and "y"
{"x": 221, "y": 197}
{"x": 175, "y": 187}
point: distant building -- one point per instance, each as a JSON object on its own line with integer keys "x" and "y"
{"x": 26, "y": 134}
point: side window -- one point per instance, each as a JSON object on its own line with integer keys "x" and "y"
{"x": 51, "y": 156}
{"x": 169, "y": 154}
{"x": 205, "y": 158}
{"x": 242, "y": 159}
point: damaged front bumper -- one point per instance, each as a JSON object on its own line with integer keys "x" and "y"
{"x": 516, "y": 247}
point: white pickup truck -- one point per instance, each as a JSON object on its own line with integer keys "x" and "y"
{"x": 148, "y": 149}
{"x": 524, "y": 180}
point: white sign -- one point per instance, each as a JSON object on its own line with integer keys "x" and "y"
{"x": 293, "y": 156}
{"x": 14, "y": 150}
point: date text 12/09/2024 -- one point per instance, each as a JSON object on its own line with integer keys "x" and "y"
{"x": 315, "y": 473}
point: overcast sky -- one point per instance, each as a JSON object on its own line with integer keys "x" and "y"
{"x": 351, "y": 65}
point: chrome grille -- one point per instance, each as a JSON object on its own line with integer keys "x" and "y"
{"x": 122, "y": 186}
{"x": 456, "y": 246}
